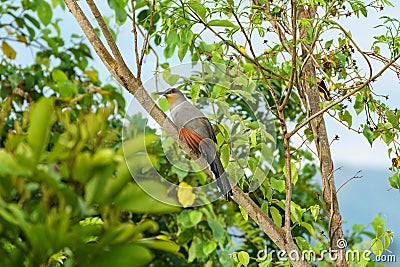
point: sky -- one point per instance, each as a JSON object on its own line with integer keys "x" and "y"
{"x": 360, "y": 199}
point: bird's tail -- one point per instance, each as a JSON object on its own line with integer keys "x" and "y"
{"x": 223, "y": 183}
{"x": 209, "y": 152}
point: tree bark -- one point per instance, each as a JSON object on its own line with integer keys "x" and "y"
{"x": 321, "y": 141}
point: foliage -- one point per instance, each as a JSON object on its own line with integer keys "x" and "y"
{"x": 66, "y": 195}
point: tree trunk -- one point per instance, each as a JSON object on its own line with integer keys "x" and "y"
{"x": 337, "y": 243}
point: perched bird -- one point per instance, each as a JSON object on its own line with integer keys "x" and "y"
{"x": 323, "y": 90}
{"x": 198, "y": 133}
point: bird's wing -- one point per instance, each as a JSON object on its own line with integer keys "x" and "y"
{"x": 192, "y": 138}
{"x": 203, "y": 127}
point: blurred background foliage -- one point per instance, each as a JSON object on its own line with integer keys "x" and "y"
{"x": 67, "y": 197}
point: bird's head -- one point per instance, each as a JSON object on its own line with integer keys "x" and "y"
{"x": 172, "y": 95}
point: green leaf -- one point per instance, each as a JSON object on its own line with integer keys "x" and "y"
{"x": 132, "y": 194}
{"x": 297, "y": 212}
{"x": 195, "y": 216}
{"x": 196, "y": 249}
{"x": 182, "y": 50}
{"x": 221, "y": 23}
{"x": 55, "y": 3}
{"x": 171, "y": 79}
{"x": 346, "y": 117}
{"x": 41, "y": 119}
{"x": 164, "y": 105}
{"x": 395, "y": 181}
{"x": 265, "y": 263}
{"x": 209, "y": 247}
{"x": 186, "y": 36}
{"x": 309, "y": 228}
{"x": 278, "y": 185}
{"x": 379, "y": 225}
{"x": 377, "y": 246}
{"x": 368, "y": 134}
{"x": 45, "y": 12}
{"x": 302, "y": 243}
{"x": 8, "y": 50}
{"x": 164, "y": 65}
{"x": 309, "y": 134}
{"x": 224, "y": 258}
{"x": 295, "y": 174}
{"x": 59, "y": 75}
{"x": 358, "y": 227}
{"x": 9, "y": 165}
{"x": 199, "y": 8}
{"x": 82, "y": 168}
{"x": 172, "y": 38}
{"x": 315, "y": 211}
{"x": 169, "y": 50}
{"x": 34, "y": 21}
{"x": 195, "y": 92}
{"x": 358, "y": 6}
{"x": 64, "y": 86}
{"x": 264, "y": 207}
{"x": 181, "y": 173}
{"x": 218, "y": 231}
{"x": 276, "y": 216}
{"x": 164, "y": 245}
{"x": 122, "y": 255}
{"x": 243, "y": 257}
{"x": 244, "y": 213}
{"x": 189, "y": 218}
{"x": 218, "y": 91}
{"x": 386, "y": 239}
{"x": 392, "y": 118}
{"x": 359, "y": 104}
{"x": 293, "y": 170}
{"x": 386, "y": 132}
{"x": 119, "y": 9}
{"x": 225, "y": 155}
{"x": 328, "y": 44}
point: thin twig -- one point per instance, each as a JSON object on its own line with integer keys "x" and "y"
{"x": 395, "y": 67}
{"x": 135, "y": 37}
{"x": 146, "y": 41}
{"x": 106, "y": 32}
{"x": 286, "y": 138}
{"x": 355, "y": 176}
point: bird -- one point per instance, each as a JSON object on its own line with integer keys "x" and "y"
{"x": 323, "y": 90}
{"x": 196, "y": 130}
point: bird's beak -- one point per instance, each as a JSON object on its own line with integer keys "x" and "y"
{"x": 162, "y": 93}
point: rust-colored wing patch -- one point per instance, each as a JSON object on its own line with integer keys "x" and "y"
{"x": 192, "y": 138}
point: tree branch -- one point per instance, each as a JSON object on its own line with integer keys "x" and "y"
{"x": 286, "y": 138}
{"x": 135, "y": 37}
